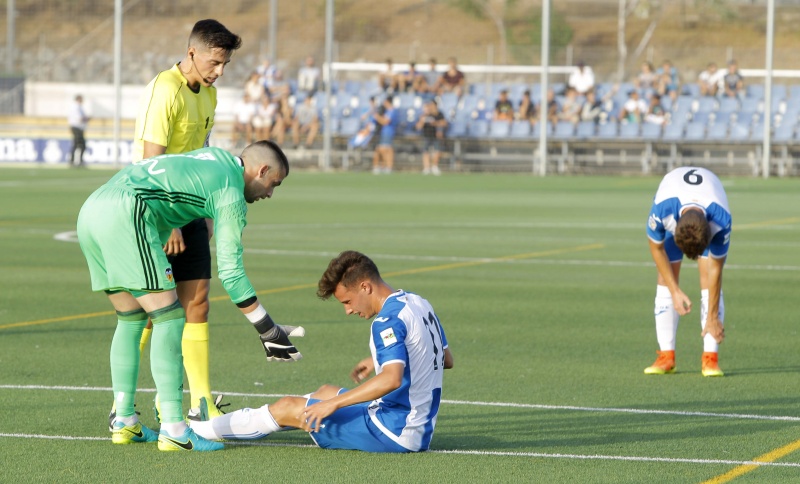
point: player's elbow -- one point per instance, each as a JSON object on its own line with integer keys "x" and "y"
{"x": 448, "y": 359}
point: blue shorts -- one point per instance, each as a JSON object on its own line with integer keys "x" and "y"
{"x": 674, "y": 253}
{"x": 351, "y": 428}
{"x": 387, "y": 137}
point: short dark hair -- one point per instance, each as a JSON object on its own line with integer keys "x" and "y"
{"x": 276, "y": 150}
{"x": 692, "y": 233}
{"x": 348, "y": 269}
{"x": 214, "y": 35}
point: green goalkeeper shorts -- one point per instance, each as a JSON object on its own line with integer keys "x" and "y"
{"x": 118, "y": 236}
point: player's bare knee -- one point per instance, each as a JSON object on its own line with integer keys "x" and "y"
{"x": 326, "y": 392}
{"x": 286, "y": 411}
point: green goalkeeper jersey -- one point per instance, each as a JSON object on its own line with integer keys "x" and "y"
{"x": 205, "y": 183}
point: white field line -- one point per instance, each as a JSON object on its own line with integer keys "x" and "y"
{"x": 540, "y": 455}
{"x": 459, "y": 452}
{"x": 572, "y": 408}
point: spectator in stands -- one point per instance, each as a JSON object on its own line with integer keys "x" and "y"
{"x": 571, "y": 109}
{"x": 634, "y": 109}
{"x": 669, "y": 83}
{"x": 243, "y": 113}
{"x": 255, "y": 88}
{"x": 647, "y": 80}
{"x": 280, "y": 89}
{"x": 582, "y": 78}
{"x": 733, "y": 81}
{"x": 386, "y": 78}
{"x": 552, "y": 107}
{"x": 431, "y": 78}
{"x": 433, "y": 125}
{"x": 266, "y": 117}
{"x": 527, "y": 110}
{"x": 452, "y": 80}
{"x": 308, "y": 78}
{"x": 77, "y": 119}
{"x": 592, "y": 109}
{"x": 283, "y": 120}
{"x": 266, "y": 71}
{"x": 503, "y": 109}
{"x": 411, "y": 80}
{"x": 655, "y": 112}
{"x": 306, "y": 121}
{"x": 388, "y": 118}
{"x": 709, "y": 80}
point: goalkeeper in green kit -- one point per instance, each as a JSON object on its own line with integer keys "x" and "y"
{"x": 122, "y": 227}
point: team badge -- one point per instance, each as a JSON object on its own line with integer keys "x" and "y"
{"x": 652, "y": 222}
{"x": 388, "y": 337}
{"x": 168, "y": 273}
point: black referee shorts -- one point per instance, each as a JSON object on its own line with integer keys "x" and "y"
{"x": 194, "y": 262}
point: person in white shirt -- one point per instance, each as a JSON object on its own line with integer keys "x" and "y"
{"x": 308, "y": 77}
{"x": 582, "y": 78}
{"x": 77, "y": 120}
{"x": 243, "y": 111}
{"x": 710, "y": 79}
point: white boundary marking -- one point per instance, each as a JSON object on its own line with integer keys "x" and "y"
{"x": 459, "y": 452}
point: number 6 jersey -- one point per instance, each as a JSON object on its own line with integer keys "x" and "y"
{"x": 691, "y": 187}
{"x": 407, "y": 331}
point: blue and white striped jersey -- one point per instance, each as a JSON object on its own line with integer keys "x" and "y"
{"x": 407, "y": 331}
{"x": 691, "y": 187}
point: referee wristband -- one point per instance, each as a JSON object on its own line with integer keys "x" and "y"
{"x": 260, "y": 319}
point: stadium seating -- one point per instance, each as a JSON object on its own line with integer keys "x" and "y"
{"x": 520, "y": 129}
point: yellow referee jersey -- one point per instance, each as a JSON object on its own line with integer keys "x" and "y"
{"x": 171, "y": 115}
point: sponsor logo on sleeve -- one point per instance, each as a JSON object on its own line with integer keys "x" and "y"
{"x": 652, "y": 222}
{"x": 388, "y": 337}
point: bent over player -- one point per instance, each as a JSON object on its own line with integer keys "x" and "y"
{"x": 396, "y": 410}
{"x": 122, "y": 227}
{"x": 176, "y": 114}
{"x": 690, "y": 216}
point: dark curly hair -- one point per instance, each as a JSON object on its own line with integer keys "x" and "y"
{"x": 692, "y": 233}
{"x": 348, "y": 268}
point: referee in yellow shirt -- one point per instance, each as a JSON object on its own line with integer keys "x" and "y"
{"x": 176, "y": 114}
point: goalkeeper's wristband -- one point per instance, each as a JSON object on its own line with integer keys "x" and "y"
{"x": 260, "y": 319}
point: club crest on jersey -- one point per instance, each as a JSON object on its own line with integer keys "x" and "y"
{"x": 388, "y": 337}
{"x": 652, "y": 222}
{"x": 168, "y": 274}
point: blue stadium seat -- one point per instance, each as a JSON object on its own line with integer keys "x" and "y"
{"x": 468, "y": 103}
{"x": 778, "y": 91}
{"x": 478, "y": 128}
{"x": 352, "y": 87}
{"x": 722, "y": 117}
{"x": 448, "y": 102}
{"x": 608, "y": 130}
{"x": 695, "y": 131}
{"x": 520, "y": 129}
{"x": 701, "y": 117}
{"x": 728, "y": 105}
{"x": 717, "y": 131}
{"x": 751, "y": 104}
{"x": 564, "y": 130}
{"x": 495, "y": 90}
{"x": 673, "y": 132}
{"x": 746, "y": 118}
{"x": 536, "y": 129}
{"x": 585, "y": 129}
{"x": 651, "y": 131}
{"x": 705, "y": 105}
{"x": 755, "y": 91}
{"x": 349, "y": 126}
{"x": 784, "y": 133}
{"x": 516, "y": 90}
{"x": 757, "y": 133}
{"x": 478, "y": 89}
{"x": 666, "y": 103}
{"x": 457, "y": 129}
{"x": 794, "y": 91}
{"x": 629, "y": 130}
{"x": 739, "y": 132}
{"x": 691, "y": 89}
{"x": 404, "y": 100}
{"x": 500, "y": 129}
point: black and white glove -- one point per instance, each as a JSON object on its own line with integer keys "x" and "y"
{"x": 277, "y": 345}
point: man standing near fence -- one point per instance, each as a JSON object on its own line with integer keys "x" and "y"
{"x": 176, "y": 114}
{"x": 77, "y": 120}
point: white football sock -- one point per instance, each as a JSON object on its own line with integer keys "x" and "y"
{"x": 666, "y": 319}
{"x": 244, "y": 424}
{"x": 175, "y": 429}
{"x": 709, "y": 343}
{"x": 128, "y": 421}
